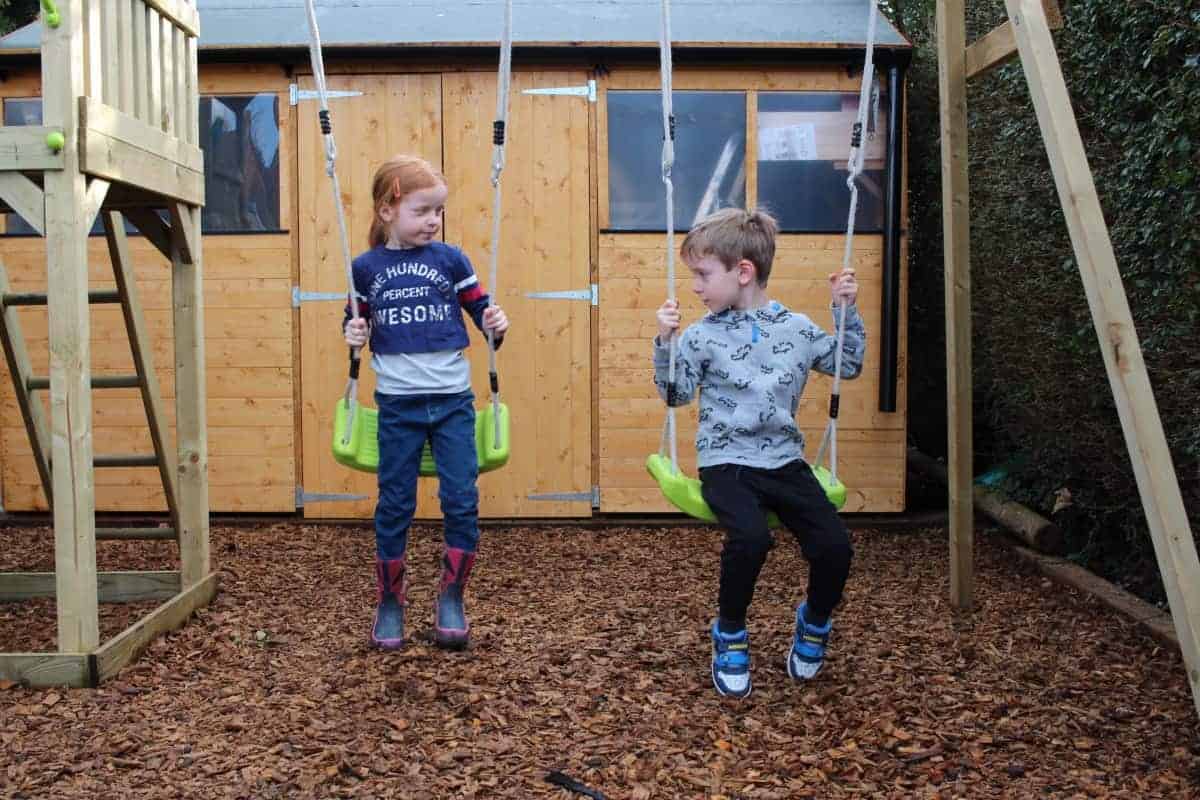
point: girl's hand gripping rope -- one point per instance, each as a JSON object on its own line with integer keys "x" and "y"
{"x": 356, "y": 332}
{"x": 495, "y": 320}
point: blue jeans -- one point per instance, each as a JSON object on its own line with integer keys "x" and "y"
{"x": 406, "y": 422}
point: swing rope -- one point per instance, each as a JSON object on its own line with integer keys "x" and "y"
{"x": 854, "y": 165}
{"x": 503, "y": 82}
{"x": 318, "y": 68}
{"x": 669, "y": 439}
{"x": 867, "y": 106}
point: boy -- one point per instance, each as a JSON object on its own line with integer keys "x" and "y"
{"x": 749, "y": 358}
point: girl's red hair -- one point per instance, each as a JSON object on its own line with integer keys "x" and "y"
{"x": 395, "y": 178}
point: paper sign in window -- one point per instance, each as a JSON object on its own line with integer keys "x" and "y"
{"x": 787, "y": 142}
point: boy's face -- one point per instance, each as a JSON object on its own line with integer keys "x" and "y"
{"x": 717, "y": 285}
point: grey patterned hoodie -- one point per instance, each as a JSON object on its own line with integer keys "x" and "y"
{"x": 750, "y": 368}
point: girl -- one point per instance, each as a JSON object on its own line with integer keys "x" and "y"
{"x": 412, "y": 289}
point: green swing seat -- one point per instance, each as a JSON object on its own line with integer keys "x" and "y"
{"x": 361, "y": 452}
{"x": 684, "y": 492}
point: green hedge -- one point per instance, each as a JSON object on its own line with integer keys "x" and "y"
{"x": 1043, "y": 408}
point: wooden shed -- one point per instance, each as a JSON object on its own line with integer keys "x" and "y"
{"x": 764, "y": 93}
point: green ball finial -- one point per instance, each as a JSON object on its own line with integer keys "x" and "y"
{"x": 53, "y": 18}
{"x": 56, "y": 141}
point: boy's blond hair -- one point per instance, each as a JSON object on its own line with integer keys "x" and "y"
{"x": 731, "y": 235}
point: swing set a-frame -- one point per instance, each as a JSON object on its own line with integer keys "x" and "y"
{"x": 1027, "y": 34}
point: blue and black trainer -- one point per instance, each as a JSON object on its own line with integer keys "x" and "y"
{"x": 808, "y": 646}
{"x": 731, "y": 662}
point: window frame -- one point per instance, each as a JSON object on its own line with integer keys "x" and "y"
{"x": 750, "y": 79}
{"x": 282, "y": 127}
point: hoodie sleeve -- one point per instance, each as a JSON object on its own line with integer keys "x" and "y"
{"x": 689, "y": 369}
{"x": 854, "y": 346}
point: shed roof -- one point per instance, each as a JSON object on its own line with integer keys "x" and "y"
{"x": 253, "y": 24}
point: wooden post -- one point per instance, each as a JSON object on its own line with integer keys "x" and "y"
{"x": 191, "y": 427}
{"x": 1166, "y": 516}
{"x": 956, "y": 226}
{"x": 70, "y": 347}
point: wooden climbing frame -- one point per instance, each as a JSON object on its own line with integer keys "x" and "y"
{"x": 119, "y": 142}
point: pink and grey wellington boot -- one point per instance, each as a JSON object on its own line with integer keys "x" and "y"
{"x": 391, "y": 585}
{"x": 451, "y": 627}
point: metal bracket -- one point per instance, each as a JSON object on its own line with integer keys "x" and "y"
{"x": 588, "y": 91}
{"x": 303, "y": 497}
{"x": 299, "y": 297}
{"x": 592, "y": 497}
{"x": 296, "y": 94}
{"x": 591, "y": 295}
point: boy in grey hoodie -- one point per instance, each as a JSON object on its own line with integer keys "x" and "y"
{"x": 749, "y": 359}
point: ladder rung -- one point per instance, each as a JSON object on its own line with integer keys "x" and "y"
{"x": 39, "y": 298}
{"x": 98, "y": 382}
{"x": 122, "y": 460}
{"x": 134, "y": 533}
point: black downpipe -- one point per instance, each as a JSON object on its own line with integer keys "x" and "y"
{"x": 889, "y": 340}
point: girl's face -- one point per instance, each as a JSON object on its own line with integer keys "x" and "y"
{"x": 416, "y": 218}
{"x": 717, "y": 285}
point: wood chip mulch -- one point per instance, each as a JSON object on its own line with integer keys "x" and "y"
{"x": 590, "y": 657}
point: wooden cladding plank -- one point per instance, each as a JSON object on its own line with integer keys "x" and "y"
{"x": 153, "y": 78}
{"x": 23, "y": 147}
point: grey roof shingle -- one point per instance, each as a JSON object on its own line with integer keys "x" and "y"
{"x": 246, "y": 24}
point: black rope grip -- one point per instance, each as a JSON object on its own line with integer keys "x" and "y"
{"x": 495, "y": 381}
{"x": 355, "y": 361}
{"x": 498, "y": 132}
{"x": 326, "y": 124}
{"x": 856, "y": 135}
{"x": 834, "y": 400}
{"x": 671, "y": 126}
{"x": 672, "y": 395}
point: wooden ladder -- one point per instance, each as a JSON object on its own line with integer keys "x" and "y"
{"x": 27, "y": 384}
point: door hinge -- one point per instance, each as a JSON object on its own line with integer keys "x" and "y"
{"x": 591, "y": 295}
{"x": 303, "y": 497}
{"x": 296, "y": 94}
{"x": 588, "y": 91}
{"x": 299, "y": 297}
{"x": 592, "y": 497}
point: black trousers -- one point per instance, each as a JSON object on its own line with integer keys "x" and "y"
{"x": 740, "y": 497}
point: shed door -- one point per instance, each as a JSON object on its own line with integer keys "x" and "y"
{"x": 545, "y": 363}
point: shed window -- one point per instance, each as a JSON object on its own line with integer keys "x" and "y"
{"x": 239, "y": 136}
{"x": 710, "y": 157}
{"x": 240, "y": 139}
{"x": 803, "y": 144}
